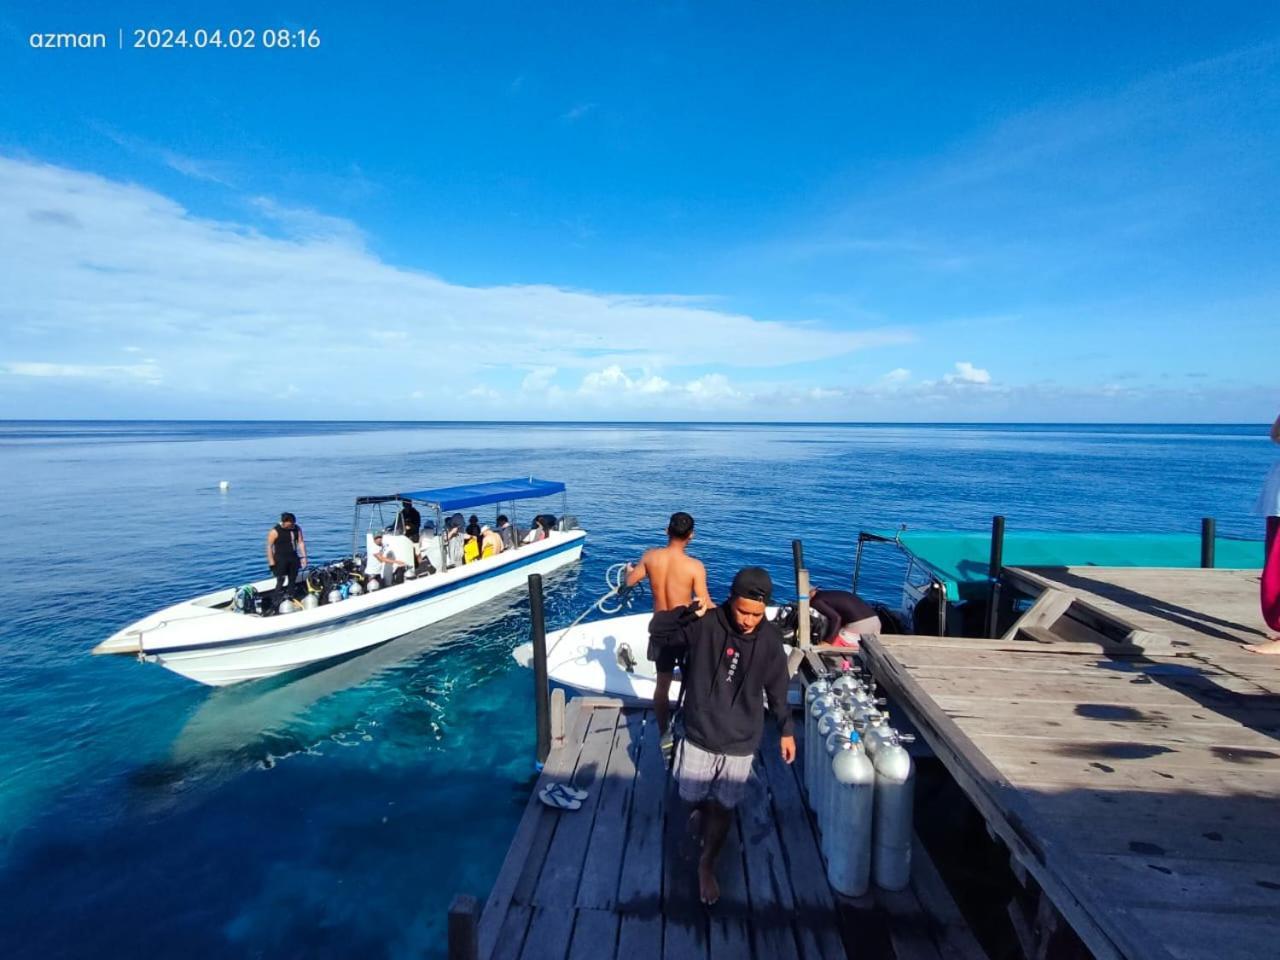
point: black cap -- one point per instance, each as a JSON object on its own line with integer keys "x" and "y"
{"x": 752, "y": 583}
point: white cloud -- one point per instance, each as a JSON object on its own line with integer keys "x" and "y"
{"x": 897, "y": 375}
{"x": 137, "y": 372}
{"x": 966, "y": 372}
{"x": 538, "y": 379}
{"x": 221, "y": 302}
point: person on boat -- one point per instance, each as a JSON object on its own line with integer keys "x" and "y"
{"x": 844, "y": 611}
{"x": 734, "y": 658}
{"x": 471, "y": 544}
{"x": 389, "y": 568}
{"x": 408, "y": 520}
{"x": 490, "y": 542}
{"x": 1269, "y": 507}
{"x": 286, "y": 552}
{"x": 506, "y": 531}
{"x": 542, "y": 526}
{"x": 453, "y": 539}
{"x": 676, "y": 579}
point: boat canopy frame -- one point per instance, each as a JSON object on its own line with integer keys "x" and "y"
{"x": 446, "y": 500}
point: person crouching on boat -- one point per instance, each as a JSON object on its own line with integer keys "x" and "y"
{"x": 385, "y": 564}
{"x": 846, "y": 613}
{"x": 734, "y": 657}
{"x": 286, "y": 553}
{"x": 675, "y": 579}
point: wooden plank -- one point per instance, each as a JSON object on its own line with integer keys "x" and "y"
{"x": 680, "y": 895}
{"x": 600, "y": 870}
{"x": 595, "y": 935}
{"x": 908, "y": 925}
{"x": 1108, "y": 932}
{"x": 808, "y": 874}
{"x": 1048, "y": 607}
{"x": 1199, "y": 885}
{"x": 510, "y": 936}
{"x": 731, "y": 873}
{"x": 1219, "y": 760}
{"x": 1066, "y": 726}
{"x": 684, "y": 937}
{"x": 532, "y": 837}
{"x": 1138, "y": 776}
{"x": 564, "y": 864}
{"x": 1191, "y": 935}
{"x": 1185, "y": 715}
{"x": 638, "y": 884}
{"x": 550, "y": 930}
{"x": 773, "y": 936}
{"x": 640, "y": 937}
{"x": 818, "y": 938}
{"x": 729, "y": 936}
{"x": 768, "y": 879}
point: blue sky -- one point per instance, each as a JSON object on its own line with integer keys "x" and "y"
{"x": 826, "y": 211}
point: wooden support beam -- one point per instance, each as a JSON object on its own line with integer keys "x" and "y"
{"x": 464, "y": 917}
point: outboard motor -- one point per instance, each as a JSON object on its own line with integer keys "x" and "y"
{"x": 848, "y": 845}
{"x": 894, "y": 807}
{"x": 821, "y": 705}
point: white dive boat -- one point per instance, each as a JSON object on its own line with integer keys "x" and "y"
{"x": 245, "y": 633}
{"x": 607, "y": 657}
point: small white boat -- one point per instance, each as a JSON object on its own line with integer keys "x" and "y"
{"x": 214, "y": 641}
{"x": 606, "y": 657}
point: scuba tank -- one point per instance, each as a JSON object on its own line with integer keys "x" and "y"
{"x": 848, "y": 847}
{"x": 825, "y": 726}
{"x": 836, "y": 741}
{"x": 310, "y": 601}
{"x": 812, "y": 744}
{"x": 334, "y": 595}
{"x": 876, "y": 734}
{"x": 812, "y": 692}
{"x": 894, "y": 807}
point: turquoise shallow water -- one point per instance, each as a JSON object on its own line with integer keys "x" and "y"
{"x": 336, "y": 813}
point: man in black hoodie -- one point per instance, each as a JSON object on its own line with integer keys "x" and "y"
{"x": 734, "y": 657}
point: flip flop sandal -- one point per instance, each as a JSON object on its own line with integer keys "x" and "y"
{"x": 577, "y": 793}
{"x": 557, "y": 799}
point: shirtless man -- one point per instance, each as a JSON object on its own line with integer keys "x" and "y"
{"x": 676, "y": 579}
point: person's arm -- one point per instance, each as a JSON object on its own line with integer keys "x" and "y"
{"x": 302, "y": 548}
{"x": 671, "y": 628}
{"x": 638, "y": 572}
{"x": 775, "y": 685}
{"x": 271, "y": 547}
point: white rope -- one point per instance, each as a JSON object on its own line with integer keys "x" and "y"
{"x": 616, "y": 578}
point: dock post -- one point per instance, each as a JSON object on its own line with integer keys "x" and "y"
{"x": 797, "y": 557}
{"x": 802, "y": 608}
{"x": 541, "y": 695}
{"x": 464, "y": 915}
{"x": 993, "y": 573}
{"x": 1208, "y": 538}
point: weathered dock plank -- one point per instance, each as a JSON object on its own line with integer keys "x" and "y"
{"x": 1136, "y": 790}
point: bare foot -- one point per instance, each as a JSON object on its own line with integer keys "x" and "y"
{"x": 708, "y": 886}
{"x": 1270, "y": 646}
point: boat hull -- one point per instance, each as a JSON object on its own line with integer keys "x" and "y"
{"x": 218, "y": 648}
{"x": 585, "y": 658}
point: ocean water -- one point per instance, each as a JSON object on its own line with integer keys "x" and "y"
{"x": 336, "y": 813}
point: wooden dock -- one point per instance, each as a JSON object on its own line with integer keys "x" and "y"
{"x": 616, "y": 879}
{"x": 1125, "y": 750}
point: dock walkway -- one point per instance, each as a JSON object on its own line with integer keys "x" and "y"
{"x": 1129, "y": 757}
{"x": 616, "y": 879}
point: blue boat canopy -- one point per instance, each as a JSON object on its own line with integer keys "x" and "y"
{"x": 445, "y": 499}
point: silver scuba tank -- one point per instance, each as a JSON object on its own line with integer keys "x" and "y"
{"x": 877, "y": 732}
{"x": 837, "y": 739}
{"x": 853, "y": 795}
{"x": 335, "y": 595}
{"x": 827, "y": 723}
{"x": 813, "y": 743}
{"x": 310, "y": 601}
{"x": 894, "y": 806}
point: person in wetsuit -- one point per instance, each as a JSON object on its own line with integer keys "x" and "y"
{"x": 844, "y": 609}
{"x": 286, "y": 553}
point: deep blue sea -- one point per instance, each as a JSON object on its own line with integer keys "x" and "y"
{"x": 335, "y": 814}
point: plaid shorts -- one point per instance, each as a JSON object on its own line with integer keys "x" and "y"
{"x": 703, "y": 775}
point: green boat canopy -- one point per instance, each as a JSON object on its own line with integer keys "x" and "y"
{"x": 960, "y": 561}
